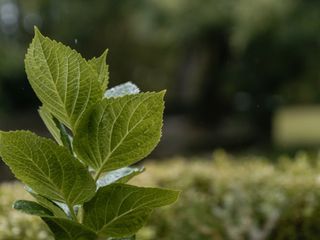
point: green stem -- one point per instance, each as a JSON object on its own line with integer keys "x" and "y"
{"x": 98, "y": 173}
{"x": 73, "y": 214}
{"x": 80, "y": 214}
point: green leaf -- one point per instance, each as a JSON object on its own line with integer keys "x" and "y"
{"x": 64, "y": 81}
{"x": 31, "y": 208}
{"x": 121, "y": 90}
{"x": 125, "y": 238}
{"x": 118, "y": 132}
{"x": 122, "y": 175}
{"x": 49, "y": 169}
{"x": 47, "y": 203}
{"x": 64, "y": 229}
{"x": 56, "y": 129}
{"x": 47, "y": 118}
{"x": 66, "y": 209}
{"x": 120, "y": 210}
{"x": 102, "y": 69}
{"x": 64, "y": 136}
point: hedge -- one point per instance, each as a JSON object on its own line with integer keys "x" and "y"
{"x": 224, "y": 197}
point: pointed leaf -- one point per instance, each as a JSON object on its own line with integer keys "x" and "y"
{"x": 118, "y": 132}
{"x": 64, "y": 82}
{"x": 121, "y": 90}
{"x": 120, "y": 210}
{"x": 49, "y": 169}
{"x": 122, "y": 175}
{"x": 65, "y": 208}
{"x": 125, "y": 238}
{"x": 100, "y": 66}
{"x": 64, "y": 229}
{"x": 32, "y": 208}
{"x": 47, "y": 118}
{"x": 65, "y": 138}
{"x": 47, "y": 203}
{"x": 56, "y": 129}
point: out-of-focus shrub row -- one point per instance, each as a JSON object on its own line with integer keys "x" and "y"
{"x": 15, "y": 225}
{"x": 246, "y": 198}
{"x": 223, "y": 198}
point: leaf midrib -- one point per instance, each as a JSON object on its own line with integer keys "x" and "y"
{"x": 54, "y": 83}
{"x": 60, "y": 190}
{"x": 62, "y": 102}
{"x": 127, "y": 132}
{"x": 142, "y": 206}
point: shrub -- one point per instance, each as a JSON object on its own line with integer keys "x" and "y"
{"x": 235, "y": 199}
{"x": 17, "y": 226}
{"x": 227, "y": 197}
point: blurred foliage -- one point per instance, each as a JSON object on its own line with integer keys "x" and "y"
{"x": 297, "y": 126}
{"x": 228, "y": 197}
{"x": 235, "y": 56}
{"x": 13, "y": 224}
{"x": 236, "y": 198}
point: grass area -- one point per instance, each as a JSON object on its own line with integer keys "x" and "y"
{"x": 224, "y": 197}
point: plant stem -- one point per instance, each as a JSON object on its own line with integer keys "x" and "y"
{"x": 98, "y": 173}
{"x": 73, "y": 214}
{"x": 80, "y": 214}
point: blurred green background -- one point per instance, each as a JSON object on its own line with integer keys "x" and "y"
{"x": 242, "y": 75}
{"x": 228, "y": 65}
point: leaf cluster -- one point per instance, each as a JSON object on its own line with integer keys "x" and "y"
{"x": 79, "y": 180}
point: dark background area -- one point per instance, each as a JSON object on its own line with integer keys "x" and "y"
{"x": 227, "y": 65}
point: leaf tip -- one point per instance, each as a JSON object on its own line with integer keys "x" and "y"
{"x": 17, "y": 205}
{"x": 37, "y": 33}
{"x": 163, "y": 92}
{"x": 36, "y": 30}
{"x": 105, "y": 53}
{"x": 178, "y": 194}
{"x": 175, "y": 195}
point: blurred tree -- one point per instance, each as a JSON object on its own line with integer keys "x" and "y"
{"x": 219, "y": 59}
